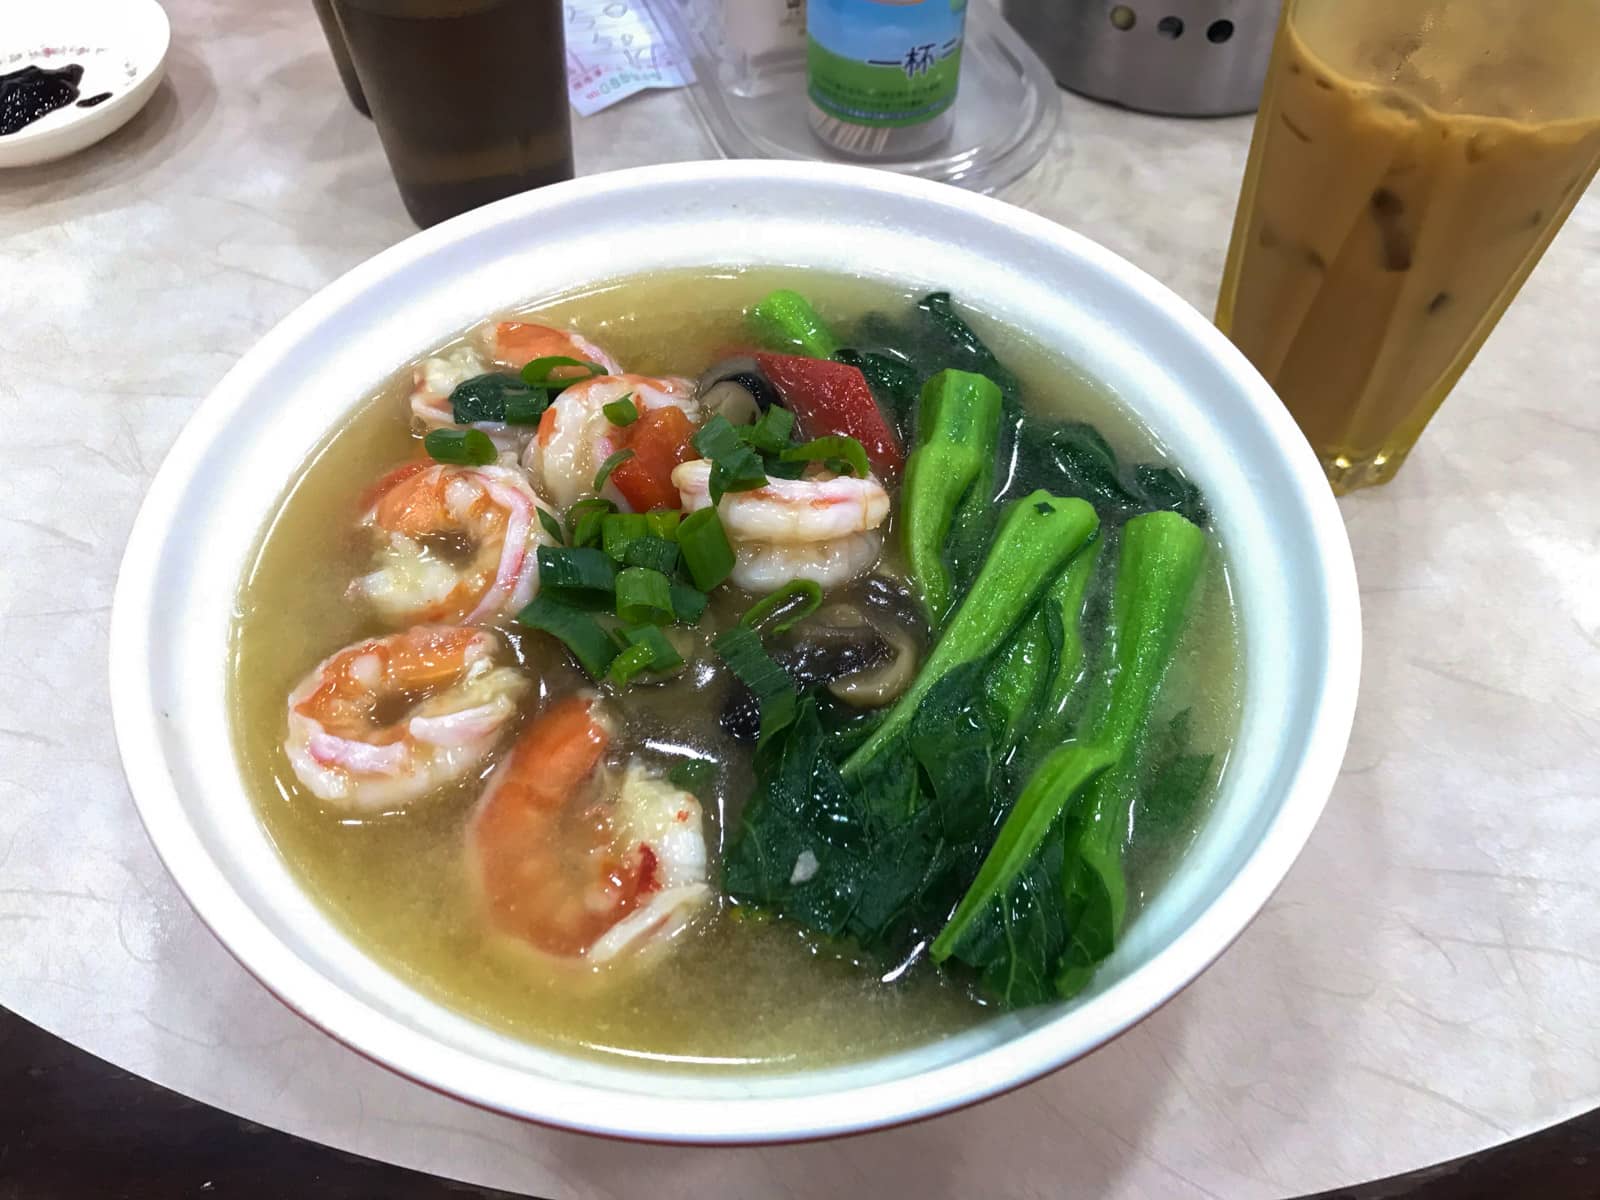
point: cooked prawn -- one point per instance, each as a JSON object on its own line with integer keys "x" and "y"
{"x": 351, "y": 747}
{"x": 575, "y": 435}
{"x": 574, "y": 862}
{"x": 511, "y": 344}
{"x": 822, "y": 527}
{"x": 515, "y": 344}
{"x": 435, "y": 378}
{"x": 455, "y": 543}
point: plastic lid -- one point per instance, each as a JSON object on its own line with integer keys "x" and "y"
{"x": 1005, "y": 111}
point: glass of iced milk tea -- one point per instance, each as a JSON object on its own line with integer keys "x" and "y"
{"x": 1411, "y": 161}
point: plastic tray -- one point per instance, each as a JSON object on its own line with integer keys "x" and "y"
{"x": 1004, "y": 114}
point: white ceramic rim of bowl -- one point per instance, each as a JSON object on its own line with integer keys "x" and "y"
{"x": 643, "y": 1104}
{"x": 139, "y": 29}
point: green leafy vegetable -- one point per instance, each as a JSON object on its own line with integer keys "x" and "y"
{"x": 704, "y": 545}
{"x": 1037, "y": 536}
{"x": 611, "y": 463}
{"x": 786, "y": 320}
{"x": 843, "y": 455}
{"x": 950, "y": 472}
{"x": 1083, "y": 463}
{"x": 590, "y": 644}
{"x": 496, "y": 398}
{"x": 893, "y": 382}
{"x": 965, "y": 350}
{"x": 881, "y": 860}
{"x": 643, "y": 596}
{"x": 779, "y": 611}
{"x": 460, "y": 447}
{"x": 622, "y": 411}
{"x": 1159, "y": 562}
{"x": 694, "y": 775}
{"x": 740, "y": 647}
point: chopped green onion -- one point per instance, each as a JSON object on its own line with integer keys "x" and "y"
{"x": 741, "y": 649}
{"x": 551, "y": 525}
{"x": 620, "y": 530}
{"x": 590, "y": 644}
{"x": 540, "y": 372}
{"x": 525, "y": 408}
{"x": 629, "y": 663}
{"x": 621, "y": 411}
{"x": 644, "y": 596}
{"x": 778, "y": 469}
{"x": 704, "y": 545}
{"x": 653, "y": 552}
{"x": 610, "y": 465}
{"x": 771, "y": 433}
{"x": 575, "y": 569}
{"x": 836, "y": 450}
{"x": 687, "y": 604}
{"x": 584, "y": 520}
{"x": 793, "y": 602}
{"x": 664, "y": 655}
{"x": 693, "y": 775}
{"x": 487, "y": 398}
{"x": 664, "y": 523}
{"x": 460, "y": 447}
{"x": 735, "y": 467}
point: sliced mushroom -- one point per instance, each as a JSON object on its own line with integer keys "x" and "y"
{"x": 736, "y": 388}
{"x": 864, "y": 662}
{"x": 877, "y": 686}
{"x": 731, "y": 400}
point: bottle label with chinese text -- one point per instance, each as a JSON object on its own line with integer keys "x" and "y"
{"x": 885, "y": 63}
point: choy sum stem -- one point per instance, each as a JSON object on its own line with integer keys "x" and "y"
{"x": 950, "y": 473}
{"x": 1037, "y": 535}
{"x": 1033, "y": 675}
{"x": 786, "y": 319}
{"x": 1158, "y": 565}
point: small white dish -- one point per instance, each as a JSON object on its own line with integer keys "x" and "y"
{"x": 121, "y": 46}
{"x": 1289, "y": 565}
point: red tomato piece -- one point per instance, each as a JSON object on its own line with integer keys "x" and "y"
{"x": 660, "y": 440}
{"x": 832, "y": 398}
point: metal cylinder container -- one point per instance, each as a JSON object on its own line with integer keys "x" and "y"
{"x": 1198, "y": 58}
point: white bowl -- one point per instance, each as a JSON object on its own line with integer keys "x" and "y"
{"x": 122, "y": 46}
{"x": 1287, "y": 554}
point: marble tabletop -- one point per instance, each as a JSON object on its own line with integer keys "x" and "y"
{"x": 1426, "y": 982}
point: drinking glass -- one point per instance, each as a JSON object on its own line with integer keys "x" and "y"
{"x": 1411, "y": 161}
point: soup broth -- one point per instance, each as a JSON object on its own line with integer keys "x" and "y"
{"x": 738, "y": 988}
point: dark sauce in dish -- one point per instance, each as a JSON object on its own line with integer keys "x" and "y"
{"x": 33, "y": 92}
{"x": 91, "y": 101}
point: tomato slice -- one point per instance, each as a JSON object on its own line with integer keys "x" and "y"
{"x": 660, "y": 440}
{"x": 831, "y": 398}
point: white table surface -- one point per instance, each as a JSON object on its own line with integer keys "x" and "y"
{"x": 1426, "y": 983}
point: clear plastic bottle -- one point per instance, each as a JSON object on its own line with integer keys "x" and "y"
{"x": 881, "y": 75}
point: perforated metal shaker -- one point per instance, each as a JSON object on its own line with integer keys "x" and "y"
{"x": 1197, "y": 58}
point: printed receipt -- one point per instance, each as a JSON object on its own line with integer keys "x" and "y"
{"x": 616, "y": 48}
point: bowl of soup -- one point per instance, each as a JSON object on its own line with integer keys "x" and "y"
{"x": 734, "y": 652}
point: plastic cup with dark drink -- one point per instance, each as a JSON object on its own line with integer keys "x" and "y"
{"x": 469, "y": 96}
